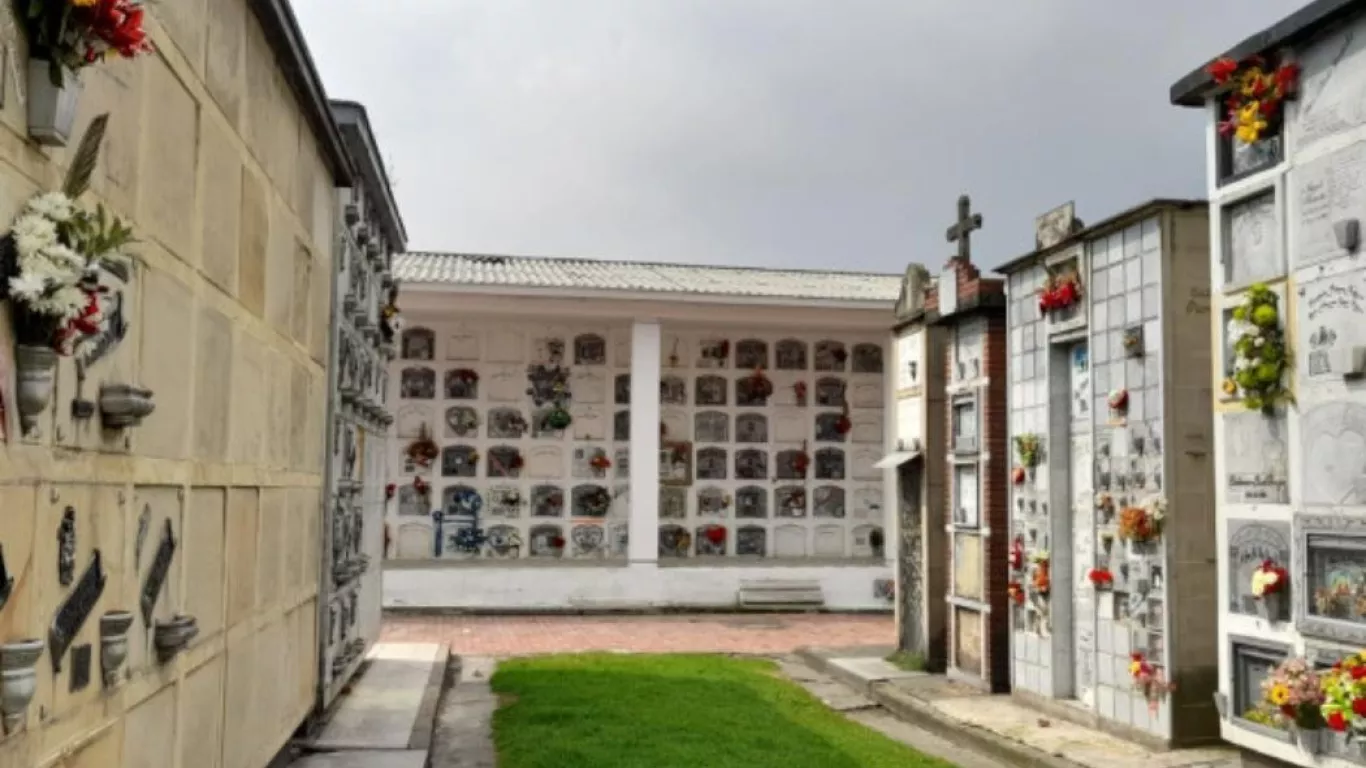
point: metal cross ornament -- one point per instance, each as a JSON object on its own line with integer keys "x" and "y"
{"x": 961, "y": 231}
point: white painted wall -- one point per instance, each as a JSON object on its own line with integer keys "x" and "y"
{"x": 846, "y": 587}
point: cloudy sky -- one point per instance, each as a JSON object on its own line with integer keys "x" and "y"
{"x": 803, "y": 133}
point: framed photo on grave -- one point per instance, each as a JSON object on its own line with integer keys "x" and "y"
{"x": 1252, "y": 659}
{"x": 1330, "y": 597}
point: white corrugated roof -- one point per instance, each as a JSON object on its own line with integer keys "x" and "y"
{"x": 588, "y": 274}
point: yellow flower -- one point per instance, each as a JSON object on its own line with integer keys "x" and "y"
{"x": 1230, "y": 388}
{"x": 1280, "y": 695}
{"x": 83, "y": 3}
{"x": 1134, "y": 668}
{"x": 1249, "y": 134}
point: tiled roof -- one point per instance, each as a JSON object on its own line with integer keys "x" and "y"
{"x": 588, "y": 274}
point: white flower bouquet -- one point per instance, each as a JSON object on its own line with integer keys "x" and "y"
{"x": 60, "y": 263}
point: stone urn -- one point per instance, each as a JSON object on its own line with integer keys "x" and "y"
{"x": 36, "y": 369}
{"x": 114, "y": 644}
{"x": 51, "y": 110}
{"x": 123, "y": 406}
{"x": 17, "y": 681}
{"x": 1271, "y": 606}
{"x": 173, "y": 635}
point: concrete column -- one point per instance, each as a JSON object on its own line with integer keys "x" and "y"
{"x": 891, "y": 431}
{"x": 645, "y": 365}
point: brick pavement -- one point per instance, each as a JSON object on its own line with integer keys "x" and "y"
{"x": 682, "y": 633}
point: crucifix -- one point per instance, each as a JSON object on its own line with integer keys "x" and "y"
{"x": 962, "y": 230}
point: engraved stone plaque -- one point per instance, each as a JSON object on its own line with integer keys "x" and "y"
{"x": 1331, "y": 314}
{"x": 505, "y": 385}
{"x": 462, "y": 421}
{"x": 589, "y": 540}
{"x": 791, "y": 465}
{"x": 751, "y": 354}
{"x": 462, "y": 384}
{"x": 545, "y": 461}
{"x": 675, "y": 463}
{"x": 713, "y": 353}
{"x": 711, "y": 390}
{"x": 828, "y": 541}
{"x": 418, "y": 344}
{"x": 751, "y": 501}
{"x": 1255, "y": 458}
{"x": 506, "y": 424}
{"x": 674, "y": 541}
{"x": 790, "y": 501}
{"x": 829, "y": 464}
{"x": 868, "y": 503}
{"x": 504, "y": 461}
{"x": 751, "y": 540}
{"x": 673, "y": 391}
{"x": 411, "y": 419}
{"x": 417, "y": 384}
{"x": 1333, "y": 446}
{"x": 751, "y": 464}
{"x": 546, "y": 541}
{"x": 1324, "y": 191}
{"x": 830, "y": 356}
{"x": 461, "y": 501}
{"x": 412, "y": 502}
{"x": 676, "y": 425}
{"x": 790, "y": 355}
{"x": 789, "y": 426}
{"x": 548, "y": 351}
{"x": 462, "y": 344}
{"x": 711, "y": 464}
{"x": 547, "y": 501}
{"x": 1250, "y": 543}
{"x": 867, "y": 395}
{"x": 591, "y": 501}
{"x": 673, "y": 503}
{"x": 712, "y": 502}
{"x": 789, "y": 541}
{"x": 590, "y": 349}
{"x": 829, "y": 392}
{"x": 829, "y": 501}
{"x": 78, "y": 605}
{"x": 505, "y": 501}
{"x": 589, "y": 386}
{"x": 867, "y": 428}
{"x": 751, "y": 428}
{"x": 867, "y": 358}
{"x": 505, "y": 346}
{"x": 711, "y": 427}
{"x": 459, "y": 461}
{"x": 828, "y": 428}
{"x": 1253, "y": 231}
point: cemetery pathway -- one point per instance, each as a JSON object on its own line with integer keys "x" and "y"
{"x": 767, "y": 634}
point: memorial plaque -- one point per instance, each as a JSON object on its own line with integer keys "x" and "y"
{"x": 1325, "y": 191}
{"x": 77, "y": 607}
{"x": 830, "y": 464}
{"x": 1331, "y": 314}
{"x": 753, "y": 391}
{"x": 711, "y": 427}
{"x": 462, "y": 344}
{"x": 548, "y": 384}
{"x": 751, "y": 354}
{"x": 867, "y": 358}
{"x": 1330, "y": 433}
{"x": 791, "y": 355}
{"x": 673, "y": 391}
{"x": 711, "y": 390}
{"x": 711, "y": 464}
{"x": 830, "y": 356}
{"x": 711, "y": 540}
{"x": 548, "y": 352}
{"x": 591, "y": 501}
{"x": 675, "y": 463}
{"x": 590, "y": 349}
{"x": 751, "y": 428}
{"x": 1251, "y": 543}
{"x": 546, "y": 541}
{"x": 791, "y": 465}
{"x": 506, "y": 424}
{"x": 828, "y": 428}
{"x": 417, "y": 384}
{"x": 461, "y": 501}
{"x": 505, "y": 501}
{"x": 751, "y": 464}
{"x": 621, "y": 389}
{"x": 547, "y": 501}
{"x": 418, "y": 344}
{"x": 673, "y": 503}
{"x": 590, "y": 386}
{"x": 156, "y": 575}
{"x": 751, "y": 502}
{"x": 589, "y": 540}
{"x": 713, "y": 353}
{"x": 829, "y": 501}
{"x": 1255, "y": 458}
{"x": 751, "y": 540}
{"x": 712, "y": 502}
{"x": 674, "y": 541}
{"x": 1253, "y": 233}
{"x": 830, "y": 392}
{"x": 504, "y": 461}
{"x": 459, "y": 461}
{"x": 462, "y": 384}
{"x": 463, "y": 421}
{"x": 80, "y": 668}
{"x": 790, "y": 501}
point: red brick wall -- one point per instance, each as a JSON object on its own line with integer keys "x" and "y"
{"x": 993, "y": 468}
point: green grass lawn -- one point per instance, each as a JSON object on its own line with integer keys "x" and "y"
{"x": 685, "y": 711}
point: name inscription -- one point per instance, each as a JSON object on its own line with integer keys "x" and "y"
{"x": 156, "y": 575}
{"x": 77, "y": 607}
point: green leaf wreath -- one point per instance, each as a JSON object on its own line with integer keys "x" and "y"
{"x": 1260, "y": 357}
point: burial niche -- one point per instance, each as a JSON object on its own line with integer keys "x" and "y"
{"x": 417, "y": 383}
{"x": 790, "y": 355}
{"x": 547, "y": 501}
{"x": 461, "y": 501}
{"x": 867, "y": 358}
{"x": 711, "y": 539}
{"x": 589, "y": 540}
{"x": 751, "y": 501}
{"x": 713, "y": 353}
{"x": 830, "y": 356}
{"x": 829, "y": 501}
{"x": 753, "y": 391}
{"x": 673, "y": 391}
{"x": 751, "y": 354}
{"x": 751, "y": 540}
{"x": 621, "y": 426}
{"x": 712, "y": 502}
{"x": 1251, "y": 543}
{"x": 831, "y": 427}
{"x": 751, "y": 464}
{"x": 621, "y": 389}
{"x": 711, "y": 390}
{"x": 830, "y": 392}
{"x": 674, "y": 541}
{"x": 506, "y": 424}
{"x": 673, "y": 503}
{"x": 413, "y": 501}
{"x": 546, "y": 541}
{"x": 461, "y": 421}
{"x": 505, "y": 461}
{"x": 459, "y": 461}
{"x": 751, "y": 428}
{"x": 462, "y": 384}
{"x": 590, "y": 349}
{"x": 790, "y": 501}
{"x": 419, "y": 344}
{"x": 711, "y": 427}
{"x": 830, "y": 464}
{"x": 591, "y": 501}
{"x": 711, "y": 464}
{"x": 505, "y": 501}
{"x": 504, "y": 541}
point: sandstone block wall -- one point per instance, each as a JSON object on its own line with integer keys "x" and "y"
{"x": 210, "y": 155}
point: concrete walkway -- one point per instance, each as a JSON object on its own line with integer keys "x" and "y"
{"x": 464, "y": 724}
{"x": 997, "y": 726}
{"x": 386, "y": 718}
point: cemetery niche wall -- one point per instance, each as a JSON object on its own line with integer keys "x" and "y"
{"x": 1286, "y": 203}
{"x": 590, "y": 457}
{"x": 1107, "y": 415}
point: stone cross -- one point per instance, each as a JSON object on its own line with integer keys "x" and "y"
{"x": 962, "y": 230}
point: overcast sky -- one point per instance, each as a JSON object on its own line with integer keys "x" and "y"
{"x": 803, "y": 133}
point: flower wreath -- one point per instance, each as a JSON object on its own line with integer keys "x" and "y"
{"x": 1260, "y": 357}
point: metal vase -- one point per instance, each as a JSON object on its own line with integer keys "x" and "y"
{"x": 51, "y": 110}
{"x": 17, "y": 681}
{"x": 1310, "y": 741}
{"x": 114, "y": 627}
{"x": 36, "y": 369}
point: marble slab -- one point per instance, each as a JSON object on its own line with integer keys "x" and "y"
{"x": 382, "y": 707}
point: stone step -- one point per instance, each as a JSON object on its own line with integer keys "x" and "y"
{"x": 392, "y": 705}
{"x": 781, "y": 593}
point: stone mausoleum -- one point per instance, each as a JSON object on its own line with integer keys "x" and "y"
{"x": 1111, "y": 481}
{"x": 581, "y": 434}
{"x": 1287, "y": 204}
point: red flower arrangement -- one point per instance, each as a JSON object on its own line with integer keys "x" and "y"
{"x": 1118, "y": 399}
{"x": 390, "y": 490}
{"x": 600, "y": 462}
{"x": 420, "y": 486}
{"x": 1254, "y": 103}
{"x": 1018, "y": 475}
{"x": 800, "y": 463}
{"x": 1059, "y": 292}
{"x": 423, "y": 450}
{"x": 1017, "y": 554}
{"x": 1015, "y": 592}
{"x": 799, "y": 389}
{"x": 716, "y": 535}
{"x": 517, "y": 461}
{"x": 760, "y": 381}
{"x": 74, "y": 34}
{"x": 1101, "y": 578}
{"x": 557, "y": 542}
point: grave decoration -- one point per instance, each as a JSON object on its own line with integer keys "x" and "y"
{"x": 1027, "y": 446}
{"x": 1259, "y": 349}
{"x": 1269, "y": 582}
{"x": 1256, "y": 97}
{"x": 1133, "y": 341}
{"x": 1295, "y": 694}
{"x": 754, "y": 389}
{"x": 62, "y": 267}
{"x": 1041, "y": 579}
{"x": 64, "y": 37}
{"x": 1017, "y": 554}
{"x": 1015, "y": 592}
{"x": 1101, "y": 578}
{"x": 1060, "y": 291}
{"x": 1118, "y": 401}
{"x": 844, "y": 424}
{"x": 389, "y": 491}
{"x": 594, "y": 503}
{"x": 1148, "y": 679}
{"x": 1140, "y": 524}
{"x": 1344, "y": 696}
{"x": 390, "y": 321}
{"x": 800, "y": 461}
{"x": 600, "y": 463}
{"x": 799, "y": 390}
{"x": 422, "y": 451}
{"x": 1018, "y": 475}
{"x": 1105, "y": 504}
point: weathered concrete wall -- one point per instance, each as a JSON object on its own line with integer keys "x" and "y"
{"x": 209, "y": 154}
